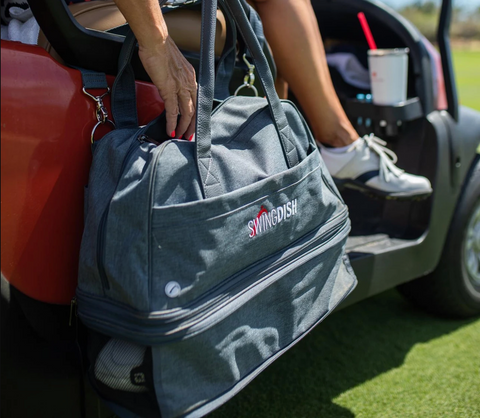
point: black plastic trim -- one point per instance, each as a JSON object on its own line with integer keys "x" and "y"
{"x": 74, "y": 43}
{"x": 443, "y": 38}
{"x": 407, "y": 111}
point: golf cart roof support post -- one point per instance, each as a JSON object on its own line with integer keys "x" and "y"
{"x": 443, "y": 38}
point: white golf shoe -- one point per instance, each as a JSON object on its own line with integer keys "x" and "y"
{"x": 368, "y": 166}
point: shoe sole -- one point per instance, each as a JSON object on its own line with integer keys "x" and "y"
{"x": 379, "y": 194}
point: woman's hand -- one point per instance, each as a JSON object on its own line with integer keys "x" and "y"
{"x": 174, "y": 77}
{"x": 169, "y": 70}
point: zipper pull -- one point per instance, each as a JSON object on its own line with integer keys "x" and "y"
{"x": 144, "y": 138}
{"x": 73, "y": 308}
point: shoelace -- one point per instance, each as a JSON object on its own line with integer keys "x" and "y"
{"x": 387, "y": 157}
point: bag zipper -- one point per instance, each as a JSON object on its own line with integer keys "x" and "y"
{"x": 220, "y": 105}
{"x": 145, "y": 138}
{"x": 149, "y": 217}
{"x": 103, "y": 220}
{"x": 239, "y": 277}
{"x": 185, "y": 321}
{"x": 199, "y": 324}
{"x": 260, "y": 269}
{"x": 73, "y": 310}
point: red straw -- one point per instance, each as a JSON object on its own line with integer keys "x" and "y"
{"x": 366, "y": 30}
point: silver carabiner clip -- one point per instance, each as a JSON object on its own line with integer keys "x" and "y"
{"x": 101, "y": 112}
{"x": 92, "y": 135}
{"x": 249, "y": 79}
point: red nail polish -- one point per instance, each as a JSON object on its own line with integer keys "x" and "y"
{"x": 172, "y": 135}
{"x": 191, "y": 137}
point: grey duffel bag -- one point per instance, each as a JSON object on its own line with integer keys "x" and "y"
{"x": 202, "y": 262}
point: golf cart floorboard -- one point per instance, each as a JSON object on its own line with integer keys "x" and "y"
{"x": 365, "y": 244}
{"x": 379, "y": 263}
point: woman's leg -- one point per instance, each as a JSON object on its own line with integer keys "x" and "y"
{"x": 292, "y": 32}
{"x": 361, "y": 163}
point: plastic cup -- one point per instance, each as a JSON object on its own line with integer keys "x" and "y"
{"x": 388, "y": 75}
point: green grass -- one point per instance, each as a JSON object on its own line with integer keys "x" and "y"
{"x": 378, "y": 358}
{"x": 467, "y": 71}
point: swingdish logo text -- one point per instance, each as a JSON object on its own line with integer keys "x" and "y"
{"x": 266, "y": 220}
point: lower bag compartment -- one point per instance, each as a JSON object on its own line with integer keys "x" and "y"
{"x": 212, "y": 355}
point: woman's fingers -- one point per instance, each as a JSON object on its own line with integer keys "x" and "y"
{"x": 171, "y": 111}
{"x": 187, "y": 111}
{"x": 191, "y": 128}
{"x": 175, "y": 79}
{"x": 187, "y": 96}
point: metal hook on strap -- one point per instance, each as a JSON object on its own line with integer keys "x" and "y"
{"x": 101, "y": 112}
{"x": 249, "y": 79}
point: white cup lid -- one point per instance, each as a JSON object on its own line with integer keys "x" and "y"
{"x": 393, "y": 51}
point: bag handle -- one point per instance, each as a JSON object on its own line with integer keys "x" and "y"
{"x": 124, "y": 98}
{"x": 124, "y": 103}
{"x": 210, "y": 184}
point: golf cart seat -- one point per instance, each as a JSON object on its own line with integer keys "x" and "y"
{"x": 184, "y": 25}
